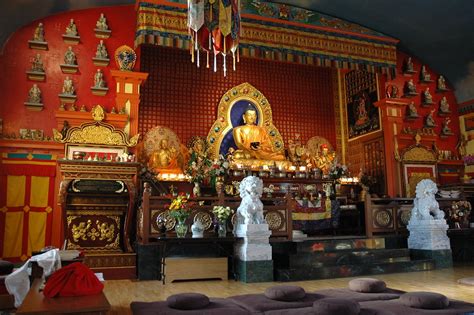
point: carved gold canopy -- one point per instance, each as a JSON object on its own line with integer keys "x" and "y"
{"x": 419, "y": 153}
{"x": 96, "y": 132}
{"x": 245, "y": 93}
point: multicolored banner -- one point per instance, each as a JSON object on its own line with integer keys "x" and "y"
{"x": 26, "y": 203}
{"x": 278, "y": 32}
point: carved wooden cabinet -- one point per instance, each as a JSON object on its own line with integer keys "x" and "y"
{"x": 97, "y": 200}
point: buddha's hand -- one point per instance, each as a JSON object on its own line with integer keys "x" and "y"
{"x": 255, "y": 145}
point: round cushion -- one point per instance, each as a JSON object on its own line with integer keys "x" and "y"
{"x": 6, "y": 267}
{"x": 425, "y": 300}
{"x": 336, "y": 306}
{"x": 367, "y": 285}
{"x": 285, "y": 293}
{"x": 187, "y": 301}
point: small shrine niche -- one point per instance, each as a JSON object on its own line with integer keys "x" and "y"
{"x": 100, "y": 87}
{"x": 70, "y": 62}
{"x": 34, "y": 99}
{"x": 71, "y": 35}
{"x": 101, "y": 57}
{"x": 36, "y": 73}
{"x": 38, "y": 41}
{"x": 102, "y": 29}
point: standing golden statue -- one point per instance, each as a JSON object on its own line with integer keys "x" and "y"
{"x": 253, "y": 141}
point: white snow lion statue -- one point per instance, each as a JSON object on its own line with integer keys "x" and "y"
{"x": 425, "y": 204}
{"x": 250, "y": 210}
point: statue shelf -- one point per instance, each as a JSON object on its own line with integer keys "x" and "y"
{"x": 67, "y": 98}
{"x": 101, "y": 62}
{"x": 33, "y": 44}
{"x": 99, "y": 91}
{"x": 69, "y": 68}
{"x": 34, "y": 106}
{"x": 36, "y": 75}
{"x": 71, "y": 39}
{"x": 102, "y": 33}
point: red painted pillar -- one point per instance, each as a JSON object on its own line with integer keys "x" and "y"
{"x": 128, "y": 95}
{"x": 392, "y": 111}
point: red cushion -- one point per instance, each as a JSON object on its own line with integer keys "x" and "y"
{"x": 75, "y": 279}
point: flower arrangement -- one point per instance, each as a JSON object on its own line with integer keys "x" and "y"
{"x": 219, "y": 166}
{"x": 468, "y": 159}
{"x": 459, "y": 213}
{"x": 338, "y": 170}
{"x": 222, "y": 213}
{"x": 197, "y": 169}
{"x": 180, "y": 208}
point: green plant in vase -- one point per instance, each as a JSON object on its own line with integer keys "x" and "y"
{"x": 222, "y": 213}
{"x": 180, "y": 210}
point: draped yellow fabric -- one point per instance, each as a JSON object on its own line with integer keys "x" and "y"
{"x": 39, "y": 191}
{"x": 225, "y": 19}
{"x": 13, "y": 234}
{"x": 36, "y": 231}
{"x": 16, "y": 191}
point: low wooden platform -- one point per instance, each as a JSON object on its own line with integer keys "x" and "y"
{"x": 195, "y": 268}
{"x": 36, "y": 303}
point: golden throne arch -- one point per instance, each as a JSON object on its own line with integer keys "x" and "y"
{"x": 229, "y": 115}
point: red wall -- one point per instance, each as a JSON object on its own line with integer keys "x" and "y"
{"x": 448, "y": 143}
{"x": 15, "y": 85}
{"x": 185, "y": 98}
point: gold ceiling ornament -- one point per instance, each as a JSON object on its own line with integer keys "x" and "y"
{"x": 96, "y": 132}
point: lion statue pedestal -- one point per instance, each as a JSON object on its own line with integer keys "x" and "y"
{"x": 253, "y": 252}
{"x": 428, "y": 229}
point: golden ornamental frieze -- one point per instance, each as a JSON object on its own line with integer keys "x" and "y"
{"x": 96, "y": 132}
{"x": 419, "y": 153}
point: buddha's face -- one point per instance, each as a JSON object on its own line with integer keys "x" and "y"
{"x": 164, "y": 144}
{"x": 250, "y": 117}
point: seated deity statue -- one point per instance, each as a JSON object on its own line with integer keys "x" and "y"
{"x": 430, "y": 122}
{"x": 101, "y": 51}
{"x": 165, "y": 158}
{"x": 38, "y": 35}
{"x": 71, "y": 29}
{"x": 34, "y": 95}
{"x": 441, "y": 83}
{"x": 253, "y": 141}
{"x": 424, "y": 75}
{"x": 444, "y": 105}
{"x": 324, "y": 160}
{"x": 412, "y": 111}
{"x": 37, "y": 64}
{"x": 446, "y": 130}
{"x": 99, "y": 79}
{"x": 411, "y": 87}
{"x": 102, "y": 23}
{"x": 409, "y": 65}
{"x": 68, "y": 87}
{"x": 69, "y": 57}
{"x": 428, "y": 99}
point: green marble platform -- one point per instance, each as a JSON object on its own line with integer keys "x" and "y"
{"x": 254, "y": 271}
{"x": 443, "y": 258}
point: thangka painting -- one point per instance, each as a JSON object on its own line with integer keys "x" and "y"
{"x": 362, "y": 115}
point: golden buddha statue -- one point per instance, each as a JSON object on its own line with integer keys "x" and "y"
{"x": 253, "y": 141}
{"x": 164, "y": 158}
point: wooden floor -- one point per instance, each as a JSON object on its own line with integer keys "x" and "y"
{"x": 121, "y": 292}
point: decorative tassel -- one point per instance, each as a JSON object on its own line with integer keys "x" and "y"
{"x": 197, "y": 50}
{"x": 238, "y": 55}
{"x": 233, "y": 60}
{"x": 207, "y": 59}
{"x": 225, "y": 65}
{"x": 192, "y": 49}
{"x": 215, "y": 63}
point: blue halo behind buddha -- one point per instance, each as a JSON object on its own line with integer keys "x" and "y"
{"x": 232, "y": 106}
{"x": 236, "y": 112}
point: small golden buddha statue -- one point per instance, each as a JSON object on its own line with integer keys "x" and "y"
{"x": 164, "y": 158}
{"x": 253, "y": 141}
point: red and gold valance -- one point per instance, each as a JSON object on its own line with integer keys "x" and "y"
{"x": 277, "y": 32}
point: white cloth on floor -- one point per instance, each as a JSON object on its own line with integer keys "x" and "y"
{"x": 18, "y": 282}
